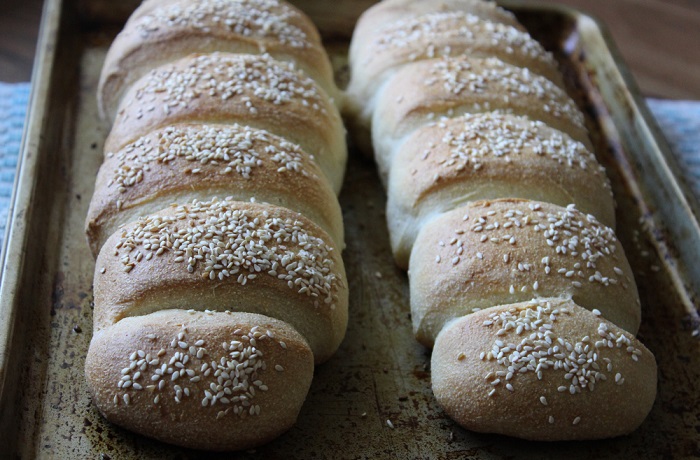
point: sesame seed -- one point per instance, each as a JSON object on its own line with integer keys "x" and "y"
{"x": 541, "y": 350}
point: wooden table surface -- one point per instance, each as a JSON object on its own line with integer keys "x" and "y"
{"x": 659, "y": 39}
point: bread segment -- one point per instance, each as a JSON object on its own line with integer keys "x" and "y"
{"x": 444, "y": 88}
{"x": 449, "y": 163}
{"x": 184, "y": 162}
{"x": 371, "y": 23}
{"x": 226, "y": 255}
{"x": 434, "y": 35}
{"x": 500, "y": 252}
{"x": 162, "y": 31}
{"x": 545, "y": 370}
{"x": 204, "y": 380}
{"x": 225, "y": 88}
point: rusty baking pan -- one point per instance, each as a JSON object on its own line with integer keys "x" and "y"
{"x": 380, "y": 373}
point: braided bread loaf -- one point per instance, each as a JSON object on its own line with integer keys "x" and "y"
{"x": 211, "y": 312}
{"x": 502, "y": 215}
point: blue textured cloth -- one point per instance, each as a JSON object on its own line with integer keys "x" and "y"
{"x": 14, "y": 98}
{"x": 680, "y": 121}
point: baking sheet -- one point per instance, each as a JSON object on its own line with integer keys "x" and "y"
{"x": 380, "y": 373}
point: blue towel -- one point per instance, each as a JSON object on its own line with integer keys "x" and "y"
{"x": 680, "y": 121}
{"x": 14, "y": 98}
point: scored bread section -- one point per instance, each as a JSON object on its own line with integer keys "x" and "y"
{"x": 254, "y": 90}
{"x": 163, "y": 31}
{"x": 183, "y": 162}
{"x": 485, "y": 156}
{"x": 454, "y": 86}
{"x": 491, "y": 253}
{"x": 544, "y": 370}
{"x": 192, "y": 378}
{"x": 226, "y": 255}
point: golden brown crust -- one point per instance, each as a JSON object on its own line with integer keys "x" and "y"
{"x": 216, "y": 381}
{"x": 499, "y": 252}
{"x": 161, "y": 31}
{"x": 488, "y": 156}
{"x": 543, "y": 370}
{"x": 256, "y": 91}
{"x": 182, "y": 162}
{"x": 226, "y": 255}
{"x": 426, "y": 91}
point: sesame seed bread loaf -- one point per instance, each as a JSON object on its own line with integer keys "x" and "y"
{"x": 210, "y": 313}
{"x": 504, "y": 218}
{"x": 162, "y": 31}
{"x": 183, "y": 162}
{"x": 205, "y": 380}
{"x": 226, "y": 255}
{"x": 254, "y": 90}
{"x": 506, "y": 251}
{"x": 453, "y": 86}
{"x": 488, "y": 155}
{"x": 544, "y": 370}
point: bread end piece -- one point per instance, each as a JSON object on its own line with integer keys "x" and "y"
{"x": 499, "y": 252}
{"x": 607, "y": 391}
{"x": 259, "y": 272}
{"x": 241, "y": 378}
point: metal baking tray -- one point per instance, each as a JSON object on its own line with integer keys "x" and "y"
{"x": 380, "y": 373}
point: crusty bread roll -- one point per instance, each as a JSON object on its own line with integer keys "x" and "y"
{"x": 545, "y": 370}
{"x": 452, "y": 86}
{"x": 500, "y": 252}
{"x": 483, "y": 156}
{"x": 226, "y": 255}
{"x": 205, "y": 380}
{"x": 183, "y": 162}
{"x": 254, "y": 90}
{"x": 162, "y": 31}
